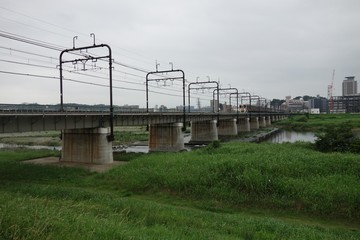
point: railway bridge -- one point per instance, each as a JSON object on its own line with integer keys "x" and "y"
{"x": 87, "y": 136}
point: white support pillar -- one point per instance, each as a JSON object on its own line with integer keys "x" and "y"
{"x": 166, "y": 137}
{"x": 268, "y": 121}
{"x": 243, "y": 125}
{"x": 254, "y": 123}
{"x": 262, "y": 122}
{"x": 87, "y": 145}
{"x": 227, "y": 127}
{"x": 203, "y": 132}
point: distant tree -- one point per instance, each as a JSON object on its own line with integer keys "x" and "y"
{"x": 276, "y": 103}
{"x": 307, "y": 97}
{"x": 163, "y": 108}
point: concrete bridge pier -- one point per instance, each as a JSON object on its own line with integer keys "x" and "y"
{"x": 243, "y": 125}
{"x": 166, "y": 137}
{"x": 86, "y": 145}
{"x": 262, "y": 122}
{"x": 203, "y": 132}
{"x": 268, "y": 121}
{"x": 227, "y": 127}
{"x": 254, "y": 123}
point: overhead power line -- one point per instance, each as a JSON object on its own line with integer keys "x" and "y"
{"x": 26, "y": 64}
{"x": 58, "y": 48}
{"x": 50, "y": 46}
{"x": 26, "y": 52}
{"x": 29, "y": 41}
{"x": 83, "y": 82}
{"x": 144, "y": 58}
{"x": 80, "y": 73}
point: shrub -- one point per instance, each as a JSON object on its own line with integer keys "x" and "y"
{"x": 355, "y": 146}
{"x": 337, "y": 138}
{"x": 302, "y": 119}
{"x": 213, "y": 145}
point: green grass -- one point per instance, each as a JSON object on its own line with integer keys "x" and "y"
{"x": 126, "y": 135}
{"x": 279, "y": 176}
{"x": 316, "y": 122}
{"x": 129, "y": 137}
{"x": 48, "y": 138}
{"x": 211, "y": 193}
{"x": 13, "y": 155}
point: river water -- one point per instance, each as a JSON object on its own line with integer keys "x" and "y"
{"x": 279, "y": 137}
{"x": 138, "y": 149}
{"x": 291, "y": 136}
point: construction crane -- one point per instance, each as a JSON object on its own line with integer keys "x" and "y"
{"x": 330, "y": 92}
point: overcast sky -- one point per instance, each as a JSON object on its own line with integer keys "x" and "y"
{"x": 269, "y": 48}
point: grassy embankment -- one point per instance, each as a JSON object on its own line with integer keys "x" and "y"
{"x": 316, "y": 122}
{"x": 236, "y": 191}
{"x": 49, "y": 138}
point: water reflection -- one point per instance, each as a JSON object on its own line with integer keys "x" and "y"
{"x": 291, "y": 136}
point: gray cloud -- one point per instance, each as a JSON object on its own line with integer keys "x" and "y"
{"x": 272, "y": 48}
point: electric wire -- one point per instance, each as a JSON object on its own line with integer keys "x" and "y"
{"x": 83, "y": 74}
{"x": 57, "y": 48}
{"x": 26, "y": 64}
{"x": 36, "y": 65}
{"x": 73, "y": 32}
{"x": 83, "y": 82}
{"x": 87, "y": 83}
{"x": 29, "y": 41}
{"x": 51, "y": 58}
{"x": 26, "y": 52}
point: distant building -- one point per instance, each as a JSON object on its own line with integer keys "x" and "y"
{"x": 294, "y": 105}
{"x": 346, "y": 104}
{"x": 214, "y": 104}
{"x": 163, "y": 108}
{"x": 349, "y": 86}
{"x": 180, "y": 108}
{"x": 225, "y": 107}
{"x": 127, "y": 108}
{"x": 319, "y": 103}
{"x": 315, "y": 111}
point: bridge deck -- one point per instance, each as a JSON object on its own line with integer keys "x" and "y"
{"x": 46, "y": 121}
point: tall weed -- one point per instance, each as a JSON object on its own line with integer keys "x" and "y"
{"x": 272, "y": 175}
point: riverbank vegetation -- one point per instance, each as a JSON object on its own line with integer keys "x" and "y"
{"x": 314, "y": 122}
{"x": 224, "y": 191}
{"x": 334, "y": 132}
{"x": 337, "y": 138}
{"x": 126, "y": 135}
{"x": 46, "y": 138}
